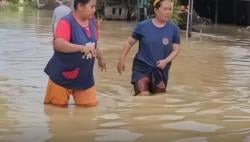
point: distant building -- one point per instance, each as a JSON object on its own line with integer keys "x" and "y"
{"x": 117, "y": 12}
{"x": 3, "y": 3}
{"x": 119, "y": 9}
{"x": 115, "y": 9}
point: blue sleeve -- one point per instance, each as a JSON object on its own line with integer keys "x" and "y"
{"x": 136, "y": 34}
{"x": 176, "y": 36}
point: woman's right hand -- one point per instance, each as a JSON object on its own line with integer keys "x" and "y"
{"x": 120, "y": 66}
{"x": 89, "y": 49}
{"x": 126, "y": 47}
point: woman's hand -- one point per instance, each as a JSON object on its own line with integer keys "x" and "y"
{"x": 120, "y": 66}
{"x": 125, "y": 49}
{"x": 161, "y": 64}
{"x": 102, "y": 64}
{"x": 89, "y": 50}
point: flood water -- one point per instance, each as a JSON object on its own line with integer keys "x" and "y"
{"x": 207, "y": 99}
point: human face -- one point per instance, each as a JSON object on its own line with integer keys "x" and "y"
{"x": 87, "y": 10}
{"x": 163, "y": 13}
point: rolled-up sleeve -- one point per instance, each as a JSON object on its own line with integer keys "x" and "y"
{"x": 176, "y": 36}
{"x": 63, "y": 30}
{"x": 136, "y": 34}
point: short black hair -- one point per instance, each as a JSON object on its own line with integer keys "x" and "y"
{"x": 83, "y": 2}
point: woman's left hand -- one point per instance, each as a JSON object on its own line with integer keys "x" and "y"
{"x": 102, "y": 65}
{"x": 161, "y": 64}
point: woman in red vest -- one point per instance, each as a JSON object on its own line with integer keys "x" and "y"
{"x": 70, "y": 69}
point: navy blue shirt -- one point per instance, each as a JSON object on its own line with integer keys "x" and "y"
{"x": 154, "y": 44}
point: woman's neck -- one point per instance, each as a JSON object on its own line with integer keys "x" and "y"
{"x": 159, "y": 23}
{"x": 80, "y": 20}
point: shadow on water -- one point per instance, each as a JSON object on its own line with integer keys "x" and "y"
{"x": 207, "y": 98}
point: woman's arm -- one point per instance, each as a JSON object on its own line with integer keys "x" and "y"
{"x": 64, "y": 46}
{"x": 126, "y": 48}
{"x": 176, "y": 50}
{"x": 174, "y": 53}
{"x": 101, "y": 61}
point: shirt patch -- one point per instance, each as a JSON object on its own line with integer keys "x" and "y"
{"x": 165, "y": 41}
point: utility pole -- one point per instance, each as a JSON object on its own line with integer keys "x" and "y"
{"x": 216, "y": 12}
{"x": 138, "y": 10}
{"x": 189, "y": 19}
{"x": 142, "y": 9}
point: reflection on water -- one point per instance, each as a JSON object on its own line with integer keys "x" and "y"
{"x": 193, "y": 126}
{"x": 71, "y": 124}
{"x": 194, "y": 139}
{"x": 116, "y": 135}
{"x": 207, "y": 98}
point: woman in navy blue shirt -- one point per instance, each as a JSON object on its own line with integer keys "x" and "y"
{"x": 159, "y": 42}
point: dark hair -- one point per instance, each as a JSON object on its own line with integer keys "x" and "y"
{"x": 83, "y": 2}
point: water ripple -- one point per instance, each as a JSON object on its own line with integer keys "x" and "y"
{"x": 193, "y": 126}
